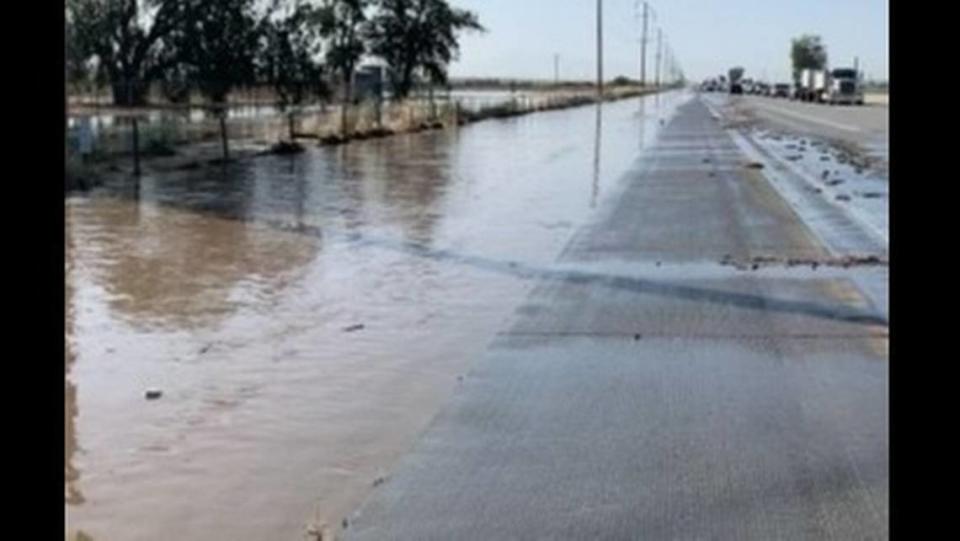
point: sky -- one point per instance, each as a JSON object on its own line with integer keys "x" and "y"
{"x": 707, "y": 36}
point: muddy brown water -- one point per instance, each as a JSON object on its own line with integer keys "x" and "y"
{"x": 304, "y": 317}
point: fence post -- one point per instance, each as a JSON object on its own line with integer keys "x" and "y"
{"x": 223, "y": 134}
{"x": 379, "y": 104}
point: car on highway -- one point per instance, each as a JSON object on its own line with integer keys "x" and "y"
{"x": 781, "y": 90}
{"x": 736, "y": 88}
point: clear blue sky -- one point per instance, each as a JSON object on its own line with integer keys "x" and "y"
{"x": 707, "y": 36}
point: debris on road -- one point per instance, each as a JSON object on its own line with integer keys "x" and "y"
{"x": 355, "y": 328}
{"x": 153, "y": 394}
{"x": 837, "y": 262}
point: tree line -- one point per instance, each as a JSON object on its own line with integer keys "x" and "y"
{"x": 297, "y": 47}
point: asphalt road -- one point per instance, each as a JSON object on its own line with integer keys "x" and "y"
{"x": 867, "y": 126}
{"x": 647, "y": 390}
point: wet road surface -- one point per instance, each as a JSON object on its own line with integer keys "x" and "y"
{"x": 866, "y": 127}
{"x": 646, "y": 390}
{"x": 306, "y": 317}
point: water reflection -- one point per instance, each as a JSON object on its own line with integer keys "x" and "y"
{"x": 165, "y": 267}
{"x": 231, "y": 290}
{"x": 595, "y": 193}
{"x": 642, "y": 114}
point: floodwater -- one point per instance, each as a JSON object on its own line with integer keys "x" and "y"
{"x": 304, "y": 317}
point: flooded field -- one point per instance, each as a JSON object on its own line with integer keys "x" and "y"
{"x": 304, "y": 317}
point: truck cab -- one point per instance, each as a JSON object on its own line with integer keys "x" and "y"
{"x": 844, "y": 87}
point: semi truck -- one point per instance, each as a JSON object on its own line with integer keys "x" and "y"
{"x": 839, "y": 85}
{"x": 844, "y": 87}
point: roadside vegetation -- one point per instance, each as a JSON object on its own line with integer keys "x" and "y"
{"x": 300, "y": 56}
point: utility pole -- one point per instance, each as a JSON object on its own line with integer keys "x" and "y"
{"x": 600, "y": 49}
{"x": 665, "y": 69}
{"x": 669, "y": 65}
{"x": 659, "y": 53}
{"x": 643, "y": 49}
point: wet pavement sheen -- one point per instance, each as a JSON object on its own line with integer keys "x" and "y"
{"x": 648, "y": 396}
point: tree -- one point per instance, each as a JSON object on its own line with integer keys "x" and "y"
{"x": 735, "y": 74}
{"x": 127, "y": 39}
{"x": 417, "y": 36}
{"x": 76, "y": 59}
{"x": 807, "y": 52}
{"x": 287, "y": 58}
{"x": 218, "y": 45}
{"x": 343, "y": 22}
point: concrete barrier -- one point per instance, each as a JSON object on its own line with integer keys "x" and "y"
{"x": 877, "y": 99}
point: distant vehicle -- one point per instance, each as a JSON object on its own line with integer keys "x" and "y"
{"x": 796, "y": 91}
{"x": 781, "y": 90}
{"x": 844, "y": 87}
{"x": 736, "y": 88}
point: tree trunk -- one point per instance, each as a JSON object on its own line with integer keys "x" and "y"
{"x": 128, "y": 94}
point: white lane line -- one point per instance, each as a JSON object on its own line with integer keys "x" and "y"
{"x": 807, "y": 118}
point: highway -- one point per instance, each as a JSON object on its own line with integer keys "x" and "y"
{"x": 701, "y": 361}
{"x": 866, "y": 127}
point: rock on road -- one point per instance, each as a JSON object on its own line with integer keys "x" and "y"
{"x": 648, "y": 390}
